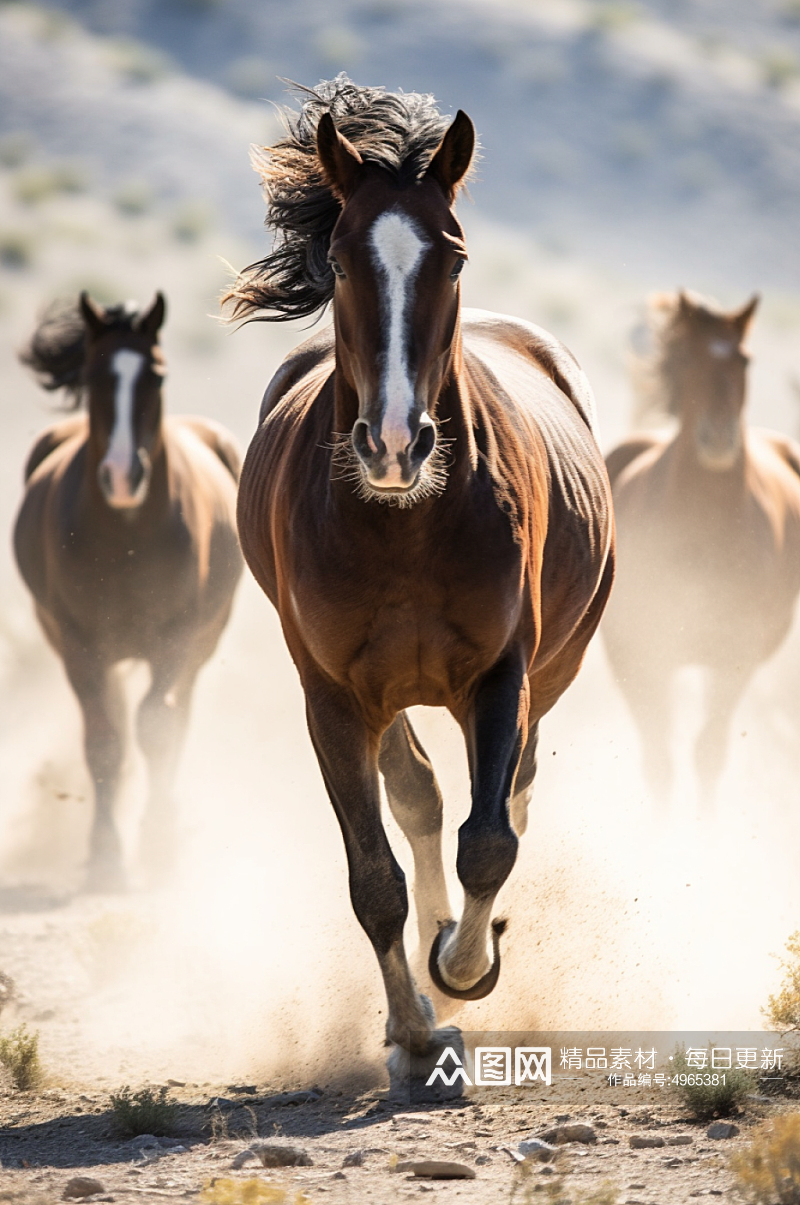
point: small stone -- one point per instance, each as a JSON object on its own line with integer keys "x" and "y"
{"x": 641, "y": 1142}
{"x": 242, "y": 1158}
{"x": 575, "y": 1131}
{"x": 673, "y": 1162}
{"x": 79, "y": 1187}
{"x": 722, "y": 1129}
{"x": 176, "y": 1083}
{"x": 537, "y": 1149}
{"x": 483, "y": 1159}
{"x": 291, "y": 1098}
{"x": 354, "y": 1159}
{"x": 274, "y": 1155}
{"x": 338, "y": 1176}
{"x": 679, "y": 1140}
{"x": 142, "y": 1140}
{"x": 247, "y": 1089}
{"x": 436, "y": 1169}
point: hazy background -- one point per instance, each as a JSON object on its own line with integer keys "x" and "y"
{"x": 626, "y": 147}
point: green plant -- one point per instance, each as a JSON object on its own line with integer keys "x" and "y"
{"x": 779, "y": 68}
{"x": 16, "y": 249}
{"x": 35, "y": 184}
{"x": 783, "y": 1010}
{"x": 768, "y": 1170}
{"x": 701, "y": 1095}
{"x": 143, "y": 1112}
{"x": 249, "y": 1192}
{"x": 19, "y": 1054}
{"x": 191, "y": 221}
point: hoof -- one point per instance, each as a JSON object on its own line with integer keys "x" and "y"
{"x": 104, "y": 879}
{"x": 417, "y": 1079}
{"x": 485, "y": 984}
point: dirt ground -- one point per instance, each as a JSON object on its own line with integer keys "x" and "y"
{"x": 352, "y": 1137}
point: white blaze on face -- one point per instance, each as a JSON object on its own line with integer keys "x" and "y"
{"x": 398, "y": 248}
{"x": 126, "y": 366}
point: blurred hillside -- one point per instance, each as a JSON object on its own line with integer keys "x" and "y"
{"x": 659, "y": 137}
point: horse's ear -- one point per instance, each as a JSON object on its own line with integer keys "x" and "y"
{"x": 150, "y": 321}
{"x": 451, "y": 162}
{"x": 92, "y": 315}
{"x": 339, "y": 158}
{"x": 743, "y": 317}
{"x": 685, "y": 307}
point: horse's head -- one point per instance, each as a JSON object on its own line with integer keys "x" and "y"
{"x": 707, "y": 359}
{"x": 123, "y": 371}
{"x": 396, "y": 250}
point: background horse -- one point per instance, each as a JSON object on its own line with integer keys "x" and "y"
{"x": 425, "y": 504}
{"x": 126, "y": 538}
{"x": 708, "y": 521}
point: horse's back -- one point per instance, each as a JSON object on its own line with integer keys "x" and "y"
{"x": 215, "y": 437}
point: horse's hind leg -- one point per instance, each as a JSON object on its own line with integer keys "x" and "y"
{"x": 416, "y": 804}
{"x": 465, "y": 961}
{"x": 100, "y": 697}
{"x": 523, "y": 783}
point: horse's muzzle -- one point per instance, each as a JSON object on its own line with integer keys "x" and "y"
{"x": 391, "y": 460}
{"x": 125, "y": 488}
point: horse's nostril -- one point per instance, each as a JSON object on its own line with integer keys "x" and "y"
{"x": 104, "y": 478}
{"x": 136, "y": 474}
{"x": 362, "y": 440}
{"x": 424, "y": 444}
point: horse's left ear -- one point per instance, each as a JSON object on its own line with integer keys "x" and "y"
{"x": 744, "y": 317}
{"x": 150, "y": 321}
{"x": 339, "y": 158}
{"x": 451, "y": 162}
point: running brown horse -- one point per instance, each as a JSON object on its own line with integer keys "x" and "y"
{"x": 127, "y": 540}
{"x": 425, "y": 504}
{"x": 708, "y": 519}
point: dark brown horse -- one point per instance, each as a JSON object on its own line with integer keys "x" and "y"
{"x": 425, "y": 504}
{"x": 709, "y": 536}
{"x": 126, "y": 538}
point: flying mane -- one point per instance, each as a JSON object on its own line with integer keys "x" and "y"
{"x": 398, "y": 132}
{"x": 57, "y": 349}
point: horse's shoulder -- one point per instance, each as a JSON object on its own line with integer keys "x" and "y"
{"x": 788, "y": 450}
{"x": 545, "y": 351}
{"x": 213, "y": 436}
{"x": 51, "y": 439}
{"x": 302, "y": 361}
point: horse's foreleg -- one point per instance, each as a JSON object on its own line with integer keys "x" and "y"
{"x": 416, "y": 804}
{"x": 348, "y": 756}
{"x": 161, "y": 729}
{"x": 101, "y": 702}
{"x": 724, "y": 690}
{"x": 465, "y": 961}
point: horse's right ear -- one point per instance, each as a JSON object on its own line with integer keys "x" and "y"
{"x": 339, "y": 158}
{"x": 91, "y": 314}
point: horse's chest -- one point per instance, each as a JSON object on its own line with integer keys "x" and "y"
{"x": 401, "y": 638}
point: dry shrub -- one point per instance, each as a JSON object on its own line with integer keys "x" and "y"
{"x": 19, "y": 1054}
{"x": 706, "y": 1100}
{"x": 783, "y": 1010}
{"x": 249, "y": 1192}
{"x": 768, "y": 1171}
{"x": 556, "y": 1191}
{"x": 143, "y": 1112}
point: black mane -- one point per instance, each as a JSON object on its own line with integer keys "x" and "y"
{"x": 398, "y": 132}
{"x": 56, "y": 351}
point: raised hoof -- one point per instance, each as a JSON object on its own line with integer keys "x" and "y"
{"x": 417, "y": 1078}
{"x": 485, "y": 984}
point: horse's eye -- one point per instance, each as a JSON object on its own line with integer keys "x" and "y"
{"x": 456, "y": 272}
{"x": 338, "y": 270}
